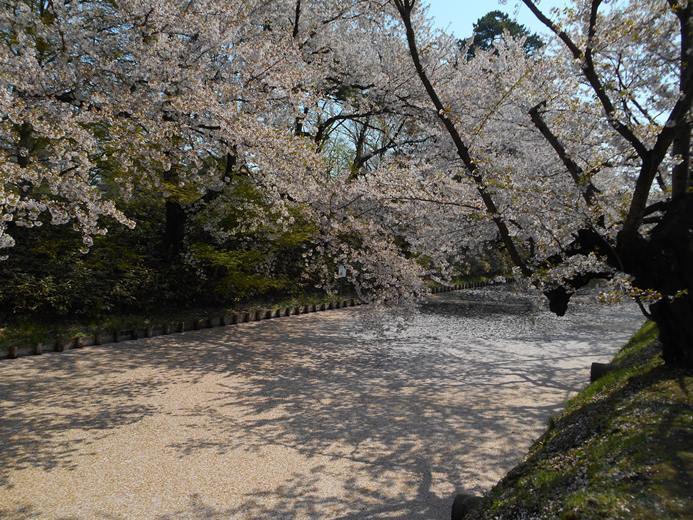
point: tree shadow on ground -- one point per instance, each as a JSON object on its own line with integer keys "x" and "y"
{"x": 415, "y": 414}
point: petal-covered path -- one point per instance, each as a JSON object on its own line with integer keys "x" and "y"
{"x": 353, "y": 413}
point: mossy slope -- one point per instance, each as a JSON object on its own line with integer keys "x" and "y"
{"x": 622, "y": 448}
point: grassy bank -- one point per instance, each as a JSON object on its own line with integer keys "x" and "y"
{"x": 622, "y": 448}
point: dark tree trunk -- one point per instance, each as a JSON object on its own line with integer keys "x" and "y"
{"x": 667, "y": 267}
{"x": 662, "y": 262}
{"x": 681, "y": 149}
{"x": 177, "y": 214}
{"x": 674, "y": 319}
{"x": 174, "y": 232}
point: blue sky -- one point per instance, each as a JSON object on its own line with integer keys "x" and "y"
{"x": 458, "y": 16}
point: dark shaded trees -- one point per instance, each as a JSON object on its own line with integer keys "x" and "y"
{"x": 490, "y": 28}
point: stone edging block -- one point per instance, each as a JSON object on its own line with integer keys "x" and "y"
{"x": 61, "y": 344}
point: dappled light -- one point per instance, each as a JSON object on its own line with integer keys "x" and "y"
{"x": 354, "y": 413}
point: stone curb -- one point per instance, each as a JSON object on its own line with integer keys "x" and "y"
{"x": 459, "y": 287}
{"x": 61, "y": 344}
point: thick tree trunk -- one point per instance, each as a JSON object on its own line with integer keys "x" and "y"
{"x": 675, "y": 321}
{"x": 661, "y": 262}
{"x": 667, "y": 267}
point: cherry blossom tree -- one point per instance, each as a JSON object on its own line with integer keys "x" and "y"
{"x": 627, "y": 73}
{"x": 134, "y": 93}
{"x": 371, "y": 127}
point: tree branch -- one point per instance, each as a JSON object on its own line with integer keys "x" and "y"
{"x": 590, "y": 72}
{"x": 405, "y": 8}
{"x": 583, "y": 183}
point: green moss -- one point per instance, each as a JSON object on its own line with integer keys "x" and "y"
{"x": 622, "y": 448}
{"x": 639, "y": 346}
{"x": 639, "y": 349}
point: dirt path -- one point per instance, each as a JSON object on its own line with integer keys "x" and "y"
{"x": 353, "y": 413}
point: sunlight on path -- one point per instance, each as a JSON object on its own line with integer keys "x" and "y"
{"x": 358, "y": 413}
